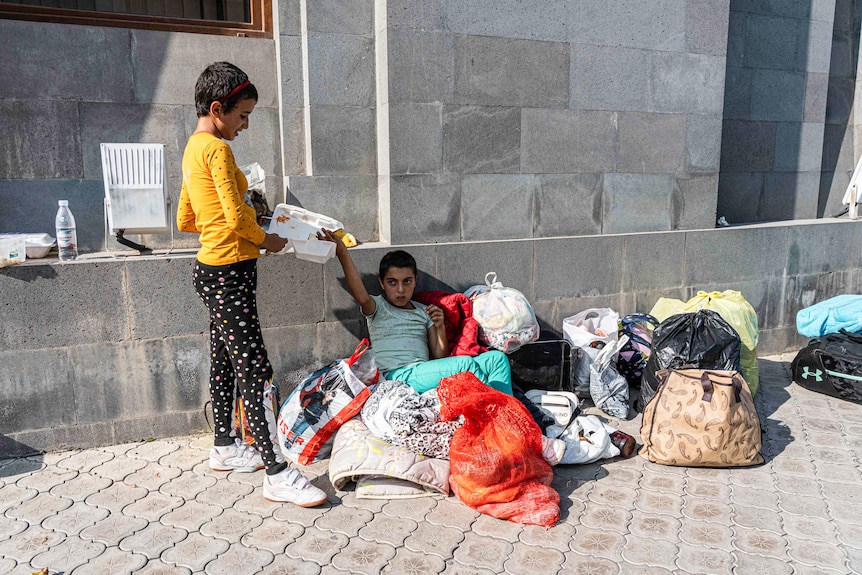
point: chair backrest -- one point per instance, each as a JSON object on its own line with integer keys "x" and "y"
{"x": 135, "y": 191}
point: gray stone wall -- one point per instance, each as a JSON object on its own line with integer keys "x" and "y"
{"x": 69, "y": 88}
{"x": 777, "y": 130}
{"x": 95, "y": 353}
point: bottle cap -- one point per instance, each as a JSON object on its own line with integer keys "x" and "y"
{"x": 63, "y": 203}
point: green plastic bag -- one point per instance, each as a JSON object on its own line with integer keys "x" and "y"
{"x": 735, "y": 310}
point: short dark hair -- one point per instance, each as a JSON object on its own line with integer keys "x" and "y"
{"x": 216, "y": 82}
{"x": 397, "y": 259}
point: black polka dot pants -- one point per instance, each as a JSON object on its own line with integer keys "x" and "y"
{"x": 238, "y": 356}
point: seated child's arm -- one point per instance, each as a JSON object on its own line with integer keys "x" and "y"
{"x": 438, "y": 346}
{"x": 351, "y": 274}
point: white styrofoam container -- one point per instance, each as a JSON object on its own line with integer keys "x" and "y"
{"x": 38, "y": 245}
{"x": 300, "y": 227}
{"x": 12, "y": 249}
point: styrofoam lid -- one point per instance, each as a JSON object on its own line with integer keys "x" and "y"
{"x": 38, "y": 239}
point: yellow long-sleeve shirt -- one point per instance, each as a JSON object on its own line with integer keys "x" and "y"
{"x": 211, "y": 203}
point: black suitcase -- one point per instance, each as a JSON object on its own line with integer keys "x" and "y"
{"x": 832, "y": 365}
{"x": 544, "y": 365}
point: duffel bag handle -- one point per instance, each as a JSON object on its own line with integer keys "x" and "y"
{"x": 706, "y": 384}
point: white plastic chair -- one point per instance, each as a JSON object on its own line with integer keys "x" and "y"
{"x": 136, "y": 201}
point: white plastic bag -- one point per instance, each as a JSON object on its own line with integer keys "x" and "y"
{"x": 590, "y": 330}
{"x": 504, "y": 314}
{"x": 587, "y": 439}
{"x": 608, "y": 389}
{"x": 562, "y": 406}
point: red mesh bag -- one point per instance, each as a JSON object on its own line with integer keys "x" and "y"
{"x": 495, "y": 458}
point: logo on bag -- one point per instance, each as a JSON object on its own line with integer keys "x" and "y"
{"x": 816, "y": 374}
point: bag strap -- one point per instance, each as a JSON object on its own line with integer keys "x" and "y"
{"x": 491, "y": 281}
{"x": 708, "y": 389}
{"x": 634, "y": 318}
{"x": 854, "y": 337}
{"x": 363, "y": 346}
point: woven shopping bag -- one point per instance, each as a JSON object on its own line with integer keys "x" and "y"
{"x": 701, "y": 418}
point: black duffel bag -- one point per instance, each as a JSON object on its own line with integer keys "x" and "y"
{"x": 544, "y": 364}
{"x": 831, "y": 364}
{"x": 701, "y": 340}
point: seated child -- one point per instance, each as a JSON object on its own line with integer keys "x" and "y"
{"x": 408, "y": 339}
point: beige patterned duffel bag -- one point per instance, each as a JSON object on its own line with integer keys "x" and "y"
{"x": 701, "y": 418}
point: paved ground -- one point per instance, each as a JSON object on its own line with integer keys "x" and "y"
{"x": 156, "y": 508}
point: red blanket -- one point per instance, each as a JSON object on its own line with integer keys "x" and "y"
{"x": 462, "y": 331}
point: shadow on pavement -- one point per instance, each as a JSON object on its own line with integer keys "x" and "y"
{"x": 775, "y": 381}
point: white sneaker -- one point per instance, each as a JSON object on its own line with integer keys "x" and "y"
{"x": 237, "y": 457}
{"x": 553, "y": 450}
{"x": 289, "y": 485}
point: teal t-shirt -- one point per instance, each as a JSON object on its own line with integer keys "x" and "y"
{"x": 398, "y": 336}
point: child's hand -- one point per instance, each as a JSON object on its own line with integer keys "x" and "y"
{"x": 273, "y": 243}
{"x": 328, "y": 236}
{"x": 436, "y": 315}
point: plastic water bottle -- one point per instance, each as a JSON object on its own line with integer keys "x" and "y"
{"x": 67, "y": 237}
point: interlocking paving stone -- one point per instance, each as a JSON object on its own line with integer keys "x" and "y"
{"x": 606, "y": 517}
{"x": 816, "y": 553}
{"x": 184, "y": 459}
{"x": 153, "y": 540}
{"x": 816, "y": 528}
{"x": 187, "y": 485}
{"x": 854, "y": 560}
{"x": 751, "y": 497}
{"x": 344, "y": 520}
{"x": 17, "y": 469}
{"x": 118, "y": 468}
{"x": 746, "y": 563}
{"x": 85, "y": 461}
{"x": 80, "y": 487}
{"x": 450, "y": 512}
{"x": 810, "y": 570}
{"x": 408, "y": 562}
{"x": 557, "y": 537}
{"x": 153, "y": 506}
{"x": 35, "y": 510}
{"x": 67, "y": 555}
{"x": 363, "y": 557}
{"x": 349, "y": 499}
{"x": 115, "y": 497}
{"x": 595, "y": 542}
{"x": 121, "y": 448}
{"x": 657, "y": 502}
{"x": 804, "y": 505}
{"x": 797, "y": 485}
{"x": 113, "y": 529}
{"x": 153, "y": 450}
{"x": 12, "y": 495}
{"x": 662, "y": 482}
{"x": 707, "y": 510}
{"x": 843, "y": 511}
{"x": 492, "y": 527}
{"x": 643, "y": 570}
{"x": 305, "y": 516}
{"x": 191, "y": 515}
{"x": 761, "y": 542}
{"x": 571, "y": 509}
{"x": 825, "y": 439}
{"x": 152, "y": 476}
{"x": 707, "y": 490}
{"x": 650, "y": 552}
{"x": 624, "y": 471}
{"x": 705, "y": 560}
{"x": 385, "y": 529}
{"x": 159, "y": 568}
{"x": 255, "y": 503}
{"x": 6, "y": 565}
{"x": 239, "y": 559}
{"x": 757, "y": 518}
{"x": 529, "y": 560}
{"x": 483, "y": 552}
{"x": 112, "y": 562}
{"x": 702, "y": 533}
{"x": 11, "y": 527}
{"x": 46, "y": 478}
{"x": 76, "y": 518}
{"x": 655, "y": 525}
{"x": 579, "y": 565}
{"x": 29, "y": 543}
{"x": 613, "y": 494}
{"x": 455, "y": 568}
{"x": 272, "y": 535}
{"x": 195, "y": 551}
{"x": 752, "y": 478}
{"x": 849, "y": 533}
{"x": 843, "y": 492}
{"x": 794, "y": 467}
{"x": 317, "y": 546}
{"x": 230, "y": 525}
{"x": 434, "y": 539}
{"x": 284, "y": 565}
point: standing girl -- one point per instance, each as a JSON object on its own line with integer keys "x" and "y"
{"x": 225, "y": 278}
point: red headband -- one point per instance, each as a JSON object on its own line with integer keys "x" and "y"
{"x": 234, "y": 92}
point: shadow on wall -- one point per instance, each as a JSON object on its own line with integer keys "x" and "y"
{"x": 9, "y": 448}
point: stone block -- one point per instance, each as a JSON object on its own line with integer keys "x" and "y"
{"x": 343, "y": 141}
{"x": 652, "y": 261}
{"x": 567, "y": 141}
{"x": 832, "y": 188}
{"x": 651, "y": 142}
{"x": 293, "y": 122}
{"x": 777, "y": 95}
{"x": 841, "y": 56}
{"x": 695, "y": 200}
{"x": 86, "y": 200}
{"x": 341, "y": 16}
{"x": 734, "y": 255}
{"x": 481, "y": 140}
{"x": 339, "y": 305}
{"x": 747, "y": 146}
{"x": 494, "y": 71}
{"x": 27, "y": 378}
{"x": 739, "y": 196}
{"x": 289, "y": 17}
{"x": 425, "y": 15}
{"x": 778, "y": 340}
{"x": 597, "y": 257}
{"x": 771, "y": 42}
{"x": 463, "y": 265}
{"x": 161, "y": 425}
{"x": 656, "y": 25}
{"x": 645, "y": 300}
{"x": 790, "y": 195}
{"x": 341, "y": 69}
{"x": 737, "y": 23}
{"x": 687, "y": 83}
{"x": 842, "y": 13}
{"x": 839, "y": 100}
{"x": 755, "y": 292}
{"x": 426, "y": 208}
{"x": 636, "y": 203}
{"x": 703, "y": 144}
{"x": 287, "y": 289}
{"x": 497, "y": 207}
{"x": 798, "y": 146}
{"x": 814, "y": 53}
{"x": 352, "y": 200}
{"x": 838, "y": 148}
{"x": 290, "y": 349}
{"x": 338, "y": 339}
{"x": 706, "y": 23}
{"x": 292, "y": 71}
{"x": 162, "y": 301}
{"x": 816, "y": 92}
{"x": 821, "y": 247}
{"x": 531, "y": 19}
{"x": 43, "y": 139}
{"x": 610, "y": 78}
{"x": 30, "y": 64}
{"x": 737, "y": 94}
{"x": 421, "y": 66}
{"x": 140, "y": 125}
{"x": 568, "y": 205}
{"x": 415, "y": 138}
{"x": 167, "y": 65}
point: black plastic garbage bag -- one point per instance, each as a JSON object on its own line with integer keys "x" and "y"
{"x": 700, "y": 339}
